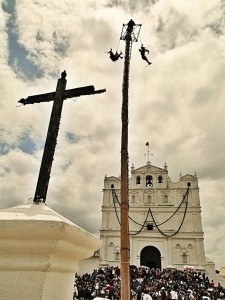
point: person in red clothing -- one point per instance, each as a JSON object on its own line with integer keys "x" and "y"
{"x": 110, "y": 290}
{"x": 212, "y": 283}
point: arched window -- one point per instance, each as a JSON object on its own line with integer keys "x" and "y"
{"x": 138, "y": 180}
{"x": 190, "y": 246}
{"x": 117, "y": 255}
{"x": 112, "y": 186}
{"x": 149, "y": 181}
{"x": 177, "y": 246}
{"x": 184, "y": 258}
{"x": 160, "y": 179}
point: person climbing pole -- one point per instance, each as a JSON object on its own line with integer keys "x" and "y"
{"x": 115, "y": 56}
{"x": 130, "y": 25}
{"x": 143, "y": 50}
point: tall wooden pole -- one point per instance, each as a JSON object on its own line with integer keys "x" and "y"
{"x": 130, "y": 33}
{"x": 124, "y": 208}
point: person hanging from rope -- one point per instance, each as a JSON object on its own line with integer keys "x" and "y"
{"x": 115, "y": 56}
{"x": 143, "y": 50}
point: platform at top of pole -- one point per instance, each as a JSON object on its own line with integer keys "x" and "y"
{"x": 134, "y": 30}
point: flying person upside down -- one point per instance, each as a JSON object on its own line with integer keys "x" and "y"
{"x": 115, "y": 56}
{"x": 143, "y": 50}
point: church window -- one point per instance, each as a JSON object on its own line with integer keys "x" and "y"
{"x": 112, "y": 186}
{"x": 117, "y": 254}
{"x": 149, "y": 181}
{"x": 138, "y": 180}
{"x": 190, "y": 246}
{"x": 177, "y": 246}
{"x": 149, "y": 199}
{"x": 184, "y": 258}
{"x": 188, "y": 184}
{"x": 133, "y": 199}
{"x": 149, "y": 226}
{"x": 165, "y": 199}
{"x": 160, "y": 179}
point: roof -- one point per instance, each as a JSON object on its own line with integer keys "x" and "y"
{"x": 112, "y": 178}
{"x": 188, "y": 176}
{"x": 150, "y": 167}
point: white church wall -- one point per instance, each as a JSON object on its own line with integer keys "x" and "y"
{"x": 163, "y": 197}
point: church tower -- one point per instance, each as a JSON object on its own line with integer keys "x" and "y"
{"x": 164, "y": 220}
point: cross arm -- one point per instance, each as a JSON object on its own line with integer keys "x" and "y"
{"x": 77, "y": 92}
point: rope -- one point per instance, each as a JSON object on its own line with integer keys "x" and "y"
{"x": 149, "y": 211}
{"x": 140, "y": 39}
{"x": 166, "y": 219}
{"x": 114, "y": 195}
{"x": 115, "y": 205}
{"x": 142, "y": 225}
{"x": 118, "y": 46}
{"x": 149, "y": 208}
{"x": 157, "y": 226}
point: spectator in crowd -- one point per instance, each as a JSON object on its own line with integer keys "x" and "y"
{"x": 148, "y": 284}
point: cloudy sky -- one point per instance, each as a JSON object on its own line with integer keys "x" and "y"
{"x": 177, "y": 104}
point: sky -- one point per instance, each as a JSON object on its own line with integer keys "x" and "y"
{"x": 176, "y": 104}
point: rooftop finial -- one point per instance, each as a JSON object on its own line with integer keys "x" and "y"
{"x": 148, "y": 153}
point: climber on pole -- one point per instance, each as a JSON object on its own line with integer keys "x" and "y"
{"x": 130, "y": 25}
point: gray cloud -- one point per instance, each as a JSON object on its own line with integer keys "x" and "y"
{"x": 216, "y": 19}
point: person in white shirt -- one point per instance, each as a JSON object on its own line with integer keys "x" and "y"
{"x": 75, "y": 292}
{"x": 146, "y": 296}
{"x": 174, "y": 295}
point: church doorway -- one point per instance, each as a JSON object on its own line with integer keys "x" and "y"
{"x": 150, "y": 257}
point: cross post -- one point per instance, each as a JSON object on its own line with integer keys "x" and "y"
{"x": 51, "y": 140}
{"x": 148, "y": 153}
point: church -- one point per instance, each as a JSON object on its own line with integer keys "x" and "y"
{"x": 164, "y": 221}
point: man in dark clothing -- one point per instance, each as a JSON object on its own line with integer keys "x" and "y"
{"x": 115, "y": 56}
{"x": 163, "y": 293}
{"x": 143, "y": 50}
{"x": 130, "y": 25}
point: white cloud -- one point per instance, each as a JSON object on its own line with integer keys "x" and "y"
{"x": 176, "y": 103}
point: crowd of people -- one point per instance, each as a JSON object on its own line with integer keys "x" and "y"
{"x": 148, "y": 284}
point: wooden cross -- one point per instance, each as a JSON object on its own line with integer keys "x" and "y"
{"x": 57, "y": 97}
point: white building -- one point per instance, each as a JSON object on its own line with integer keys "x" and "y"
{"x": 165, "y": 221}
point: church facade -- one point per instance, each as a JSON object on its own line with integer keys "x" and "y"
{"x": 164, "y": 220}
